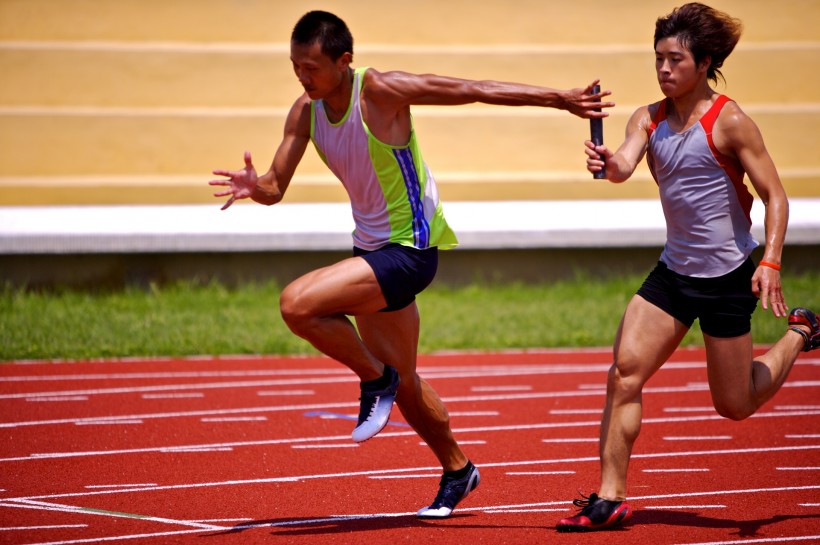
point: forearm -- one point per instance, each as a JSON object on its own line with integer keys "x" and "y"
{"x": 513, "y": 94}
{"x": 776, "y": 222}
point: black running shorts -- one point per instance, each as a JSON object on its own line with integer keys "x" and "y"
{"x": 402, "y": 271}
{"x": 724, "y": 305}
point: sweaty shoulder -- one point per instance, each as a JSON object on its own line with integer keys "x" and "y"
{"x": 641, "y": 118}
{"x": 731, "y": 115}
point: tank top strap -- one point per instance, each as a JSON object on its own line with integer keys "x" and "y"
{"x": 660, "y": 115}
{"x": 708, "y": 119}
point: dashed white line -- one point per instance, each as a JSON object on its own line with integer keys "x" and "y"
{"x": 681, "y": 470}
{"x": 697, "y": 438}
{"x": 683, "y": 506}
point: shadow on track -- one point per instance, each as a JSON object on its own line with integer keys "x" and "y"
{"x": 348, "y": 524}
{"x": 744, "y": 528}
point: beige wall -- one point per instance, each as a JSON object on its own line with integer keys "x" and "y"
{"x": 136, "y": 101}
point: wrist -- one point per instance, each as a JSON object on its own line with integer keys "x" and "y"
{"x": 770, "y": 265}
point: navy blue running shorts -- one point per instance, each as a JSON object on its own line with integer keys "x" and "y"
{"x": 402, "y": 272}
{"x": 724, "y": 305}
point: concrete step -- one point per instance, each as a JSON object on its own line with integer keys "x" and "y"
{"x": 453, "y": 186}
{"x": 598, "y": 224}
{"x": 172, "y": 75}
{"x": 423, "y": 21}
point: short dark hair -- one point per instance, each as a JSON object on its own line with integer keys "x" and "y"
{"x": 327, "y": 29}
{"x": 704, "y": 31}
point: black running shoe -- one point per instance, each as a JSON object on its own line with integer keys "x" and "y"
{"x": 375, "y": 407}
{"x": 595, "y": 514}
{"x": 805, "y": 317}
{"x": 450, "y": 492}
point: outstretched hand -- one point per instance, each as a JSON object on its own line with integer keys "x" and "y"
{"x": 240, "y": 183}
{"x": 584, "y": 103}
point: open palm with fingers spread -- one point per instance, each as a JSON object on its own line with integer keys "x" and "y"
{"x": 240, "y": 183}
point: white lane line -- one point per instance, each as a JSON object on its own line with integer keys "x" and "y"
{"x": 186, "y": 450}
{"x": 485, "y": 429}
{"x": 332, "y": 445}
{"x": 535, "y": 473}
{"x": 235, "y": 419}
{"x": 347, "y": 377}
{"x": 135, "y": 485}
{"x": 309, "y": 407}
{"x": 56, "y": 399}
{"x": 501, "y": 388}
{"x": 173, "y": 395}
{"x": 108, "y": 422}
{"x": 572, "y": 440}
{"x": 575, "y": 411}
{"x": 681, "y": 470}
{"x": 421, "y": 476}
{"x": 562, "y": 461}
{"x": 462, "y": 442}
{"x": 688, "y": 409}
{"x": 697, "y": 438}
{"x": 684, "y": 506}
{"x": 798, "y": 468}
{"x": 474, "y": 413}
{"x": 439, "y": 371}
{"x": 505, "y": 511}
{"x": 52, "y": 527}
{"x": 49, "y": 506}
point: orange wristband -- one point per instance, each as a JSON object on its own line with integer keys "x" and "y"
{"x": 771, "y": 265}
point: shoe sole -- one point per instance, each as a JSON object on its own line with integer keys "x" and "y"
{"x": 615, "y": 520}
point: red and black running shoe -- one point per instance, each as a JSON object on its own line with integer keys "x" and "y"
{"x": 595, "y": 514}
{"x": 805, "y": 317}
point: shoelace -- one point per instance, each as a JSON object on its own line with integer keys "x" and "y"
{"x": 585, "y": 501}
{"x": 444, "y": 487}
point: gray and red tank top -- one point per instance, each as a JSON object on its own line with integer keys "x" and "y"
{"x": 705, "y": 202}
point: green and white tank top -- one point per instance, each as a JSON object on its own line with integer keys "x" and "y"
{"x": 392, "y": 192}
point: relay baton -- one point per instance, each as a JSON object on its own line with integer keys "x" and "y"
{"x": 596, "y": 130}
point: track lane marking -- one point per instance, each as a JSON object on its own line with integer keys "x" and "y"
{"x": 383, "y": 435}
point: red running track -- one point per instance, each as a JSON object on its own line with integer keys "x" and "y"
{"x": 258, "y": 450}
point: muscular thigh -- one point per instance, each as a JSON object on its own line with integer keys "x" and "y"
{"x": 347, "y": 287}
{"x": 729, "y": 367}
{"x": 646, "y": 338}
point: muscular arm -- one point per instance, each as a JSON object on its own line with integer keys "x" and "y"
{"x": 404, "y": 89}
{"x": 270, "y": 188}
{"x": 388, "y": 96}
{"x": 736, "y": 135}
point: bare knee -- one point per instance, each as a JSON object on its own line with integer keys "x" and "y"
{"x": 622, "y": 383}
{"x": 294, "y": 310}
